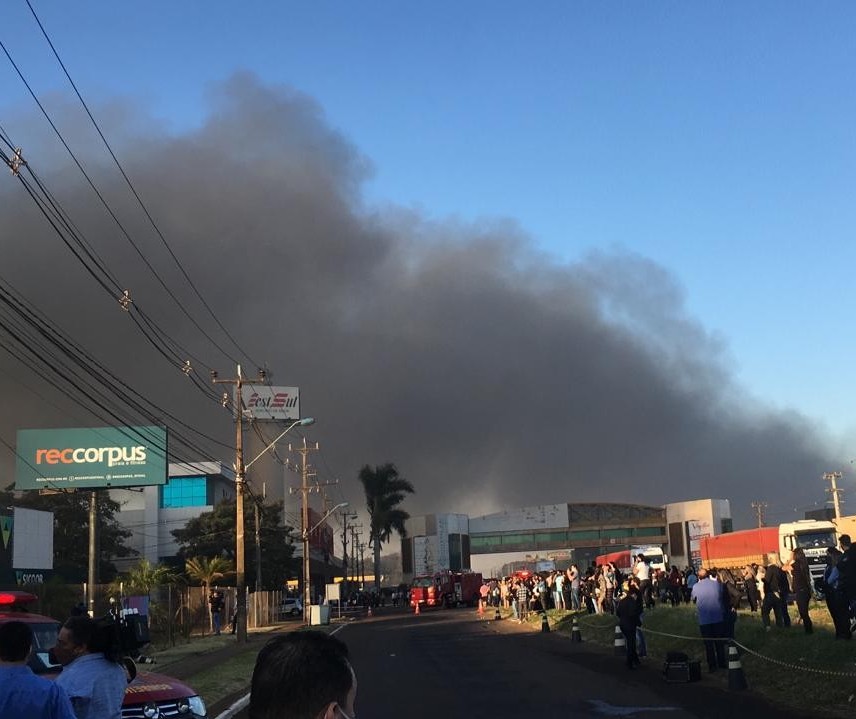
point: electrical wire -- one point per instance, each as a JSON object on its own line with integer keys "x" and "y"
{"x": 133, "y": 190}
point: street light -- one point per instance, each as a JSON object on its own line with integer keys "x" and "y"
{"x": 307, "y": 595}
{"x": 305, "y": 422}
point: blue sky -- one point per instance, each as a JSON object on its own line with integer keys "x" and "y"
{"x": 717, "y": 140}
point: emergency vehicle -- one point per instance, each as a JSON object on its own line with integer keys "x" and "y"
{"x": 446, "y": 589}
{"x": 148, "y": 696}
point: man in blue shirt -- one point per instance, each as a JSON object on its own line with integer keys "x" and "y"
{"x": 95, "y": 684}
{"x": 23, "y": 695}
{"x": 708, "y": 596}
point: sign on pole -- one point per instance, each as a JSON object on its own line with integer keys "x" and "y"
{"x": 262, "y": 402}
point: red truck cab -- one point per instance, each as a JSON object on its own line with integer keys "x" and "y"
{"x": 149, "y": 695}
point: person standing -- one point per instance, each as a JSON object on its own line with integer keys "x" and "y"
{"x": 708, "y": 597}
{"x": 802, "y": 587}
{"x": 23, "y": 695}
{"x": 574, "y": 577}
{"x": 642, "y": 572}
{"x": 835, "y": 600}
{"x": 774, "y": 581}
{"x": 522, "y": 601}
{"x": 94, "y": 683}
{"x": 627, "y": 611}
{"x": 751, "y": 583}
{"x": 216, "y": 601}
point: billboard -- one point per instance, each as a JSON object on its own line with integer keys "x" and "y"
{"x": 91, "y": 458}
{"x": 261, "y": 401}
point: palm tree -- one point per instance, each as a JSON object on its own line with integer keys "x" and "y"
{"x": 207, "y": 571}
{"x": 142, "y": 578}
{"x": 385, "y": 490}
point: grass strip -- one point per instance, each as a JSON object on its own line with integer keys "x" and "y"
{"x": 225, "y": 678}
{"x": 805, "y": 671}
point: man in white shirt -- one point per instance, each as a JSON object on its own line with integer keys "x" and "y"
{"x": 642, "y": 572}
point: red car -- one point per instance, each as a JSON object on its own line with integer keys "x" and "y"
{"x": 149, "y": 696}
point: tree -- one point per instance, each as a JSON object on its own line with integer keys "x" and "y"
{"x": 385, "y": 490}
{"x": 207, "y": 571}
{"x": 212, "y": 534}
{"x": 71, "y": 530}
{"x": 142, "y": 578}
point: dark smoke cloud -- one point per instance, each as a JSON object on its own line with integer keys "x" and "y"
{"x": 492, "y": 375}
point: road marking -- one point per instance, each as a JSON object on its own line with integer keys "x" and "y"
{"x": 601, "y": 707}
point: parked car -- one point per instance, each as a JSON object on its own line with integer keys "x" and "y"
{"x": 292, "y": 606}
{"x": 148, "y": 695}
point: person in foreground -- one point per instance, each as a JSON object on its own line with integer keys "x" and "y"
{"x": 303, "y": 675}
{"x": 23, "y": 695}
{"x": 91, "y": 676}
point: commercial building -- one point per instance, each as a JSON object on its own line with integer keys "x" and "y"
{"x": 151, "y": 513}
{"x": 691, "y": 521}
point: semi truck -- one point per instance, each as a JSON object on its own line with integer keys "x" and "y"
{"x": 624, "y": 559}
{"x": 445, "y": 589}
{"x": 735, "y": 550}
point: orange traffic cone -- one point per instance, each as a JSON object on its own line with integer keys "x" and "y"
{"x": 416, "y": 609}
{"x": 481, "y": 609}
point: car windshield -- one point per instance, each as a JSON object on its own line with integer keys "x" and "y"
{"x": 812, "y": 540}
{"x": 423, "y": 582}
{"x": 44, "y": 638}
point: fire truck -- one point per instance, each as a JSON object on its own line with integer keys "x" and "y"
{"x": 446, "y": 589}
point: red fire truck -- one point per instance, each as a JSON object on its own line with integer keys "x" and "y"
{"x": 446, "y": 589}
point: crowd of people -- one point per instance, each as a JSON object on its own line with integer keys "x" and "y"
{"x": 767, "y": 588}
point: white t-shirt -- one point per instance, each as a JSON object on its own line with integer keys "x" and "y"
{"x": 642, "y": 570}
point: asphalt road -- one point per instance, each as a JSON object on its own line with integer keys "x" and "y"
{"x": 448, "y": 664}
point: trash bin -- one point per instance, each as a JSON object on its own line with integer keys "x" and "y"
{"x": 319, "y": 614}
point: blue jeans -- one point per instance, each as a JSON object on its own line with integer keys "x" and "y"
{"x": 575, "y": 598}
{"x": 215, "y": 618}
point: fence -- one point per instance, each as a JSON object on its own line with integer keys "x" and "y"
{"x": 175, "y": 612}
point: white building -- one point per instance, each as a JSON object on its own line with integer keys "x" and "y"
{"x": 151, "y": 513}
{"x": 435, "y": 542}
{"x": 689, "y": 522}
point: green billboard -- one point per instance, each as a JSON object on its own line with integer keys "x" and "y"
{"x": 94, "y": 458}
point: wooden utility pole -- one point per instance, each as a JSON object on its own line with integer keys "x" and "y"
{"x": 240, "y": 574}
{"x": 832, "y": 478}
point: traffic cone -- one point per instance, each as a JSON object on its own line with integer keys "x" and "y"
{"x": 369, "y": 613}
{"x": 481, "y": 609}
{"x": 545, "y": 625}
{"x": 416, "y": 609}
{"x": 575, "y": 631}
{"x": 736, "y": 678}
{"x": 496, "y": 615}
{"x": 620, "y": 646}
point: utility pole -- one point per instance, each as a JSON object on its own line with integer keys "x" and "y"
{"x": 759, "y": 508}
{"x": 304, "y": 523}
{"x": 832, "y": 478}
{"x": 354, "y": 551}
{"x": 345, "y": 518}
{"x": 258, "y": 545}
{"x": 93, "y": 554}
{"x": 240, "y": 575}
{"x": 363, "y": 564}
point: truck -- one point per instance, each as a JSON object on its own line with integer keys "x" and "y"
{"x": 445, "y": 589}
{"x": 735, "y": 550}
{"x": 625, "y": 558}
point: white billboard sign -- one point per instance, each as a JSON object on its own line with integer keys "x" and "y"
{"x": 32, "y": 546}
{"x": 260, "y": 401}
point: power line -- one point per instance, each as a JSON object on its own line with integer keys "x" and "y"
{"x": 133, "y": 190}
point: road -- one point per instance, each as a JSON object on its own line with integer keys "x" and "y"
{"x": 448, "y": 664}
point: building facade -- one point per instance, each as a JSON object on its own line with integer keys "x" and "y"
{"x": 691, "y": 521}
